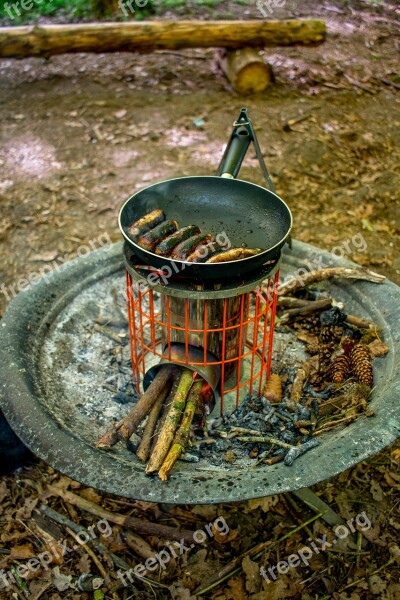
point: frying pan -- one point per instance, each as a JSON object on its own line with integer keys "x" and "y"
{"x": 244, "y": 213}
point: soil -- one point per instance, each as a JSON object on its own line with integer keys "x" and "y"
{"x": 80, "y": 133}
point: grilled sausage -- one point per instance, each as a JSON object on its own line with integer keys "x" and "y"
{"x": 233, "y": 254}
{"x": 152, "y": 219}
{"x": 204, "y": 252}
{"x": 168, "y": 244}
{"x": 185, "y": 248}
{"x": 149, "y": 240}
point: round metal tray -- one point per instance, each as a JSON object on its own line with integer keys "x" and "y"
{"x": 34, "y": 400}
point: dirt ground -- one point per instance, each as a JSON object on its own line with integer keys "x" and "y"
{"x": 81, "y": 133}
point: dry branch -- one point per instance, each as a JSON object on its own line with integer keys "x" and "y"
{"x": 311, "y": 307}
{"x": 138, "y": 524}
{"x": 295, "y": 284}
{"x": 48, "y": 40}
{"x": 127, "y": 426}
{"x": 143, "y": 452}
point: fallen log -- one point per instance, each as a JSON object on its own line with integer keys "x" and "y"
{"x": 246, "y": 70}
{"x": 146, "y": 36}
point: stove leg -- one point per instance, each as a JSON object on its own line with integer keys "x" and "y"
{"x": 319, "y": 506}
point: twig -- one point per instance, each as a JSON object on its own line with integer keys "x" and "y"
{"x": 108, "y": 332}
{"x": 358, "y": 84}
{"x": 295, "y": 284}
{"x": 311, "y": 307}
{"x": 353, "y": 583}
{"x": 362, "y": 323}
{"x": 127, "y": 426}
{"x": 396, "y": 86}
{"x": 66, "y": 522}
{"x": 138, "y": 524}
{"x": 265, "y": 440}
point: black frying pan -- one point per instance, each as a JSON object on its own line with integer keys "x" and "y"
{"x": 242, "y": 212}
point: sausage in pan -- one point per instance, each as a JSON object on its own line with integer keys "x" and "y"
{"x": 152, "y": 219}
{"x": 204, "y": 252}
{"x": 233, "y": 254}
{"x": 165, "y": 247}
{"x": 149, "y": 240}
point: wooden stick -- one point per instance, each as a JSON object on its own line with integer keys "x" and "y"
{"x": 296, "y": 283}
{"x": 311, "y": 307}
{"x": 290, "y": 302}
{"x": 47, "y": 40}
{"x": 182, "y": 435}
{"x": 361, "y": 323}
{"x": 143, "y": 452}
{"x": 127, "y": 426}
{"x": 138, "y": 524}
{"x": 265, "y": 440}
{"x": 171, "y": 423}
{"x": 110, "y": 557}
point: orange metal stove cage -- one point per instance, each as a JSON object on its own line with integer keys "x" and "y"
{"x": 232, "y": 335}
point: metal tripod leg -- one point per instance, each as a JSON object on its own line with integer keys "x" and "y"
{"x": 318, "y": 506}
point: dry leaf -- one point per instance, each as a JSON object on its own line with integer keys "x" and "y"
{"x": 4, "y": 491}
{"x": 376, "y": 491}
{"x": 22, "y": 552}
{"x": 395, "y": 454}
{"x": 378, "y": 348}
{"x": 237, "y": 589}
{"x": 264, "y": 503}
{"x": 91, "y": 495}
{"x": 252, "y": 572}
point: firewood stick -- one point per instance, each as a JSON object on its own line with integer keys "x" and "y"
{"x": 171, "y": 423}
{"x": 139, "y": 525}
{"x": 126, "y": 427}
{"x": 165, "y": 409}
{"x": 361, "y": 323}
{"x": 143, "y": 452}
{"x": 182, "y": 435}
{"x": 296, "y": 283}
{"x": 290, "y": 302}
{"x": 312, "y": 307}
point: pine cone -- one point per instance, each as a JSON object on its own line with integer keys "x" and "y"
{"x": 340, "y": 368}
{"x": 348, "y": 344}
{"x": 331, "y": 333}
{"x": 311, "y": 323}
{"x": 273, "y": 388}
{"x": 325, "y": 354}
{"x": 361, "y": 363}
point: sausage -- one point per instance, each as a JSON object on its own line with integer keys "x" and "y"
{"x": 168, "y": 244}
{"x": 150, "y": 220}
{"x": 233, "y": 254}
{"x": 185, "y": 248}
{"x": 149, "y": 240}
{"x": 204, "y": 252}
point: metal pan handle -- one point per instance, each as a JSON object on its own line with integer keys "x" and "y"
{"x": 234, "y": 153}
{"x": 243, "y": 133}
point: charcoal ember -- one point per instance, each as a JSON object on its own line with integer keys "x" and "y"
{"x": 287, "y": 436}
{"x": 294, "y": 453}
{"x": 215, "y": 423}
{"x": 302, "y": 413}
{"x": 332, "y": 317}
{"x": 122, "y": 398}
{"x": 266, "y": 405}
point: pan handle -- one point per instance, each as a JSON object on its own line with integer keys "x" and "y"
{"x": 243, "y": 133}
{"x": 234, "y": 153}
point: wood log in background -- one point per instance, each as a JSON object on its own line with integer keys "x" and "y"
{"x": 48, "y": 40}
{"x": 246, "y": 70}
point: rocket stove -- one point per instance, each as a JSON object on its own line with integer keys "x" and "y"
{"x": 216, "y": 319}
{"x": 222, "y": 331}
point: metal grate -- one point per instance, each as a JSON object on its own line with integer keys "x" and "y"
{"x": 232, "y": 336}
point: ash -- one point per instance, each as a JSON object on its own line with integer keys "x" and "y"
{"x": 279, "y": 423}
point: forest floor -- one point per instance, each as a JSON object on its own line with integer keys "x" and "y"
{"x": 81, "y": 133}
